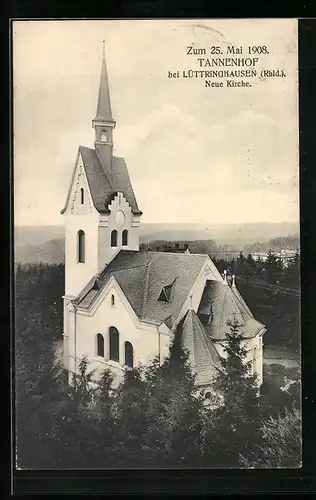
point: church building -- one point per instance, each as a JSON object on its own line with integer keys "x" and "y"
{"x": 122, "y": 305}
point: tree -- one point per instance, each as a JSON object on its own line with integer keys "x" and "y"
{"x": 78, "y": 429}
{"x": 273, "y": 268}
{"x": 174, "y": 410}
{"x": 281, "y": 441}
{"x": 250, "y": 267}
{"x": 291, "y": 275}
{"x": 39, "y": 396}
{"x": 236, "y": 422}
{"x": 129, "y": 410}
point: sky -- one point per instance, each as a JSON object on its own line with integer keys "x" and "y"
{"x": 194, "y": 154}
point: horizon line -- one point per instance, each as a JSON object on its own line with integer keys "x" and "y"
{"x": 180, "y": 223}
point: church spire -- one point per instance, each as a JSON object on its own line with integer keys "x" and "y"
{"x": 104, "y": 113}
{"x": 103, "y": 123}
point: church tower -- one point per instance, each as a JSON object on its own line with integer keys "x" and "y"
{"x": 103, "y": 122}
{"x": 101, "y": 215}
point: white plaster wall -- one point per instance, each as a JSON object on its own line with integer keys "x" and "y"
{"x": 80, "y": 217}
{"x": 144, "y": 338}
{"x": 77, "y": 274}
{"x": 208, "y": 272}
{"x": 108, "y": 223}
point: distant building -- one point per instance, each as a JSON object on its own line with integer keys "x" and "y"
{"x": 284, "y": 255}
{"x": 121, "y": 305}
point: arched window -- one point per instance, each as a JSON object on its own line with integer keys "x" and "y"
{"x": 82, "y": 196}
{"x": 100, "y": 345}
{"x": 128, "y": 354}
{"x": 114, "y": 238}
{"x": 125, "y": 238}
{"x": 81, "y": 246}
{"x": 114, "y": 344}
{"x": 112, "y": 300}
{"x": 104, "y": 136}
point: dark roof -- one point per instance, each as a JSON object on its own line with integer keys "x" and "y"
{"x": 142, "y": 276}
{"x": 241, "y": 301}
{"x": 224, "y": 305}
{"x": 104, "y": 112}
{"x": 203, "y": 355}
{"x": 104, "y": 187}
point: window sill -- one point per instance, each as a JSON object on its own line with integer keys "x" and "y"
{"x": 108, "y": 362}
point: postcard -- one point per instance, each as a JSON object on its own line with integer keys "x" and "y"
{"x": 157, "y": 246}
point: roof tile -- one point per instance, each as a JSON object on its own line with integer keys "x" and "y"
{"x": 102, "y": 188}
{"x": 203, "y": 355}
{"x": 132, "y": 271}
{"x": 224, "y": 306}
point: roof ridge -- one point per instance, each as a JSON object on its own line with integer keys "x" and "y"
{"x": 131, "y": 267}
{"x": 191, "y": 311}
{"x": 102, "y": 271}
{"x": 146, "y": 289}
{"x": 178, "y": 253}
{"x": 241, "y": 300}
{"x": 71, "y": 182}
{"x": 235, "y": 301}
{"x": 206, "y": 339}
{"x": 222, "y": 304}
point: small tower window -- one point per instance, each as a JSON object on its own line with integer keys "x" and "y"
{"x": 114, "y": 344}
{"x": 114, "y": 238}
{"x": 112, "y": 300}
{"x": 81, "y": 196}
{"x": 125, "y": 238}
{"x": 100, "y": 345}
{"x": 81, "y": 246}
{"x": 128, "y": 353}
{"x": 104, "y": 136}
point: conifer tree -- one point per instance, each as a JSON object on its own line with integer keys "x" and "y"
{"x": 174, "y": 410}
{"x": 130, "y": 408}
{"x": 281, "y": 445}
{"x": 78, "y": 423}
{"x": 238, "y": 417}
{"x": 273, "y": 268}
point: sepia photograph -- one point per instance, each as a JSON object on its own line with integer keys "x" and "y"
{"x": 156, "y": 244}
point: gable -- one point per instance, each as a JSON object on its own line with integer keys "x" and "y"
{"x": 79, "y": 199}
{"x": 143, "y": 275}
{"x": 106, "y": 181}
{"x": 218, "y": 306}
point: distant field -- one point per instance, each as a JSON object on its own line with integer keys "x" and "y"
{"x": 289, "y": 358}
{"x": 46, "y": 243}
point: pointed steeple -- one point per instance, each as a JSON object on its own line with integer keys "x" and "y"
{"x": 104, "y": 112}
{"x": 103, "y": 123}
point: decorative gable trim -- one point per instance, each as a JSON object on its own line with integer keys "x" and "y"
{"x": 71, "y": 183}
{"x": 207, "y": 266}
{"x": 73, "y": 190}
{"x": 119, "y": 202}
{"x": 80, "y": 171}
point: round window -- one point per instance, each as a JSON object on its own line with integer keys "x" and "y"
{"x": 120, "y": 218}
